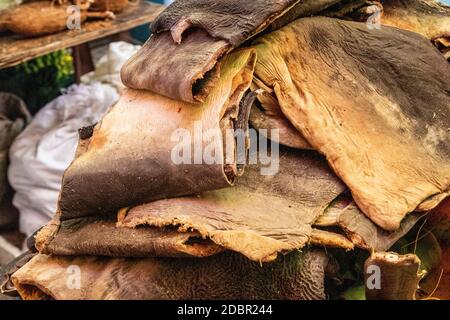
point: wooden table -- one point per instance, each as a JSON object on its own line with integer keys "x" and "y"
{"x": 15, "y": 49}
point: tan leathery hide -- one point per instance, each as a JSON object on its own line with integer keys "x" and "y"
{"x": 374, "y": 102}
{"x": 261, "y": 216}
{"x": 240, "y": 218}
{"x": 430, "y": 18}
{"x": 130, "y": 162}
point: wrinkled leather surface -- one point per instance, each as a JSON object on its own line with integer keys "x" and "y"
{"x": 261, "y": 216}
{"x": 233, "y": 20}
{"x": 179, "y": 60}
{"x": 299, "y": 275}
{"x": 128, "y": 160}
{"x": 183, "y": 71}
{"x": 99, "y": 236}
{"x": 371, "y": 101}
{"x": 240, "y": 219}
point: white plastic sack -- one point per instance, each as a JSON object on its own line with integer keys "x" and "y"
{"x": 107, "y": 69}
{"x": 41, "y": 153}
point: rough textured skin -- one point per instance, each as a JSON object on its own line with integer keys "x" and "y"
{"x": 239, "y": 219}
{"x": 178, "y": 61}
{"x": 381, "y": 98}
{"x": 232, "y": 20}
{"x": 304, "y": 8}
{"x": 399, "y": 276}
{"x": 430, "y": 18}
{"x": 224, "y": 276}
{"x": 242, "y": 218}
{"x": 99, "y": 236}
{"x": 135, "y": 155}
{"x": 183, "y": 71}
{"x": 363, "y": 233}
{"x": 347, "y": 9}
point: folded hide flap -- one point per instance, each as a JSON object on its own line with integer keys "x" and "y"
{"x": 266, "y": 116}
{"x": 362, "y": 232}
{"x": 430, "y": 18}
{"x": 374, "y": 102}
{"x": 154, "y": 154}
{"x": 185, "y": 71}
{"x": 179, "y": 59}
{"x": 7, "y": 287}
{"x": 284, "y": 134}
{"x": 443, "y": 44}
{"x": 99, "y": 236}
{"x": 261, "y": 216}
{"x": 233, "y": 21}
{"x": 351, "y": 9}
{"x": 252, "y": 218}
{"x": 299, "y": 275}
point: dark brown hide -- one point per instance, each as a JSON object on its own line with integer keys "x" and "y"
{"x": 374, "y": 102}
{"x": 267, "y": 116}
{"x": 240, "y": 219}
{"x": 232, "y": 20}
{"x": 368, "y": 11}
{"x": 99, "y": 236}
{"x": 261, "y": 216}
{"x": 130, "y": 158}
{"x": 183, "y": 72}
{"x": 179, "y": 60}
{"x": 224, "y": 276}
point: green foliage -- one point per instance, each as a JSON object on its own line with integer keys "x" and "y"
{"x": 40, "y": 80}
{"x": 357, "y": 292}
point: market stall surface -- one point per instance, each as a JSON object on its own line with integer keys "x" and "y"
{"x": 15, "y": 49}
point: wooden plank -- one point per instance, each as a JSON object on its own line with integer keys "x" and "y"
{"x": 15, "y": 49}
